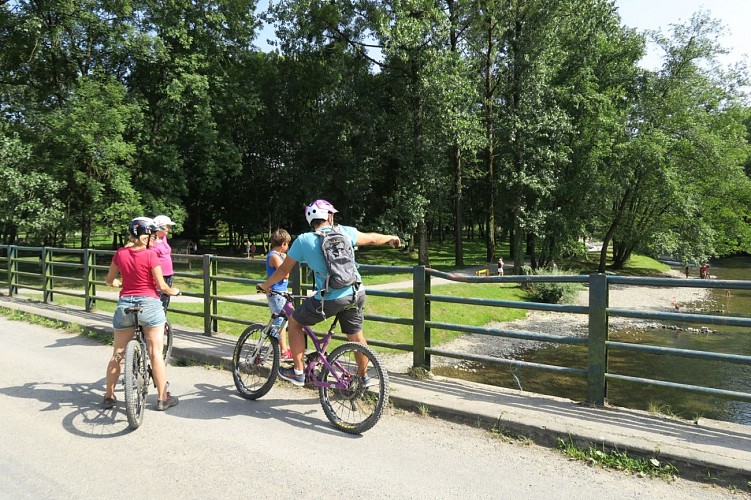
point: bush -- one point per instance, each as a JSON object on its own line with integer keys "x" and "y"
{"x": 552, "y": 293}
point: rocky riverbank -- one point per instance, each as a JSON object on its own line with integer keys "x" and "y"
{"x": 644, "y": 298}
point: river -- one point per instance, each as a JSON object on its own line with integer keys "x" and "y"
{"x": 722, "y": 375}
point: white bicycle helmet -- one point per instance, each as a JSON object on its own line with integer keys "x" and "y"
{"x": 319, "y": 209}
{"x": 161, "y": 221}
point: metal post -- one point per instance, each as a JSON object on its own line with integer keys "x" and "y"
{"x": 598, "y": 334}
{"x": 419, "y": 357}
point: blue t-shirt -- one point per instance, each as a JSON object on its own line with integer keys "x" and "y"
{"x": 280, "y": 286}
{"x": 307, "y": 248}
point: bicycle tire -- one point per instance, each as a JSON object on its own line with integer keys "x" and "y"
{"x": 136, "y": 385}
{"x": 254, "y": 374}
{"x": 167, "y": 342}
{"x": 356, "y": 409}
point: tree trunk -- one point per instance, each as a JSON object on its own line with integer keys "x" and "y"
{"x": 423, "y": 258}
{"x": 85, "y": 231}
{"x": 458, "y": 247}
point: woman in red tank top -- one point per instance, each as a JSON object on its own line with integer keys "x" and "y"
{"x": 142, "y": 280}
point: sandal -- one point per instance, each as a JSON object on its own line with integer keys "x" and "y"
{"x": 108, "y": 403}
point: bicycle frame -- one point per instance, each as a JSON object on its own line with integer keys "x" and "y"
{"x": 139, "y": 336}
{"x": 352, "y": 384}
{"x": 312, "y": 359}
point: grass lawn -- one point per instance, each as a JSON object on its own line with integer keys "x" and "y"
{"x": 441, "y": 258}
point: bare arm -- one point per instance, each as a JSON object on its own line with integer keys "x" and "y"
{"x": 111, "y": 278}
{"x": 281, "y": 272}
{"x": 364, "y": 239}
{"x": 276, "y": 262}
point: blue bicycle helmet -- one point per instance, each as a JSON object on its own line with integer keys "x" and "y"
{"x": 140, "y": 226}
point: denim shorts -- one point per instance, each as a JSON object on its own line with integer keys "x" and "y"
{"x": 152, "y": 312}
{"x": 276, "y": 304}
{"x": 351, "y": 318}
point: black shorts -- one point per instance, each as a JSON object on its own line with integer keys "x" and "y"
{"x": 351, "y": 318}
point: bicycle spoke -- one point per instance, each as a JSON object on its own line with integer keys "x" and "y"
{"x": 255, "y": 362}
{"x": 354, "y": 408}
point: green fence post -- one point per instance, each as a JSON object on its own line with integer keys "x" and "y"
{"x": 12, "y": 270}
{"x": 295, "y": 281}
{"x": 597, "y": 363}
{"x": 89, "y": 287}
{"x": 46, "y": 275}
{"x": 420, "y": 359}
{"x": 207, "y": 320}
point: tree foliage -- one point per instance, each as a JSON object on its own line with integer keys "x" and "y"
{"x": 525, "y": 121}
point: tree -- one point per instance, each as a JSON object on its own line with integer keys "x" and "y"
{"x": 85, "y": 145}
{"x": 683, "y": 157}
{"x": 28, "y": 200}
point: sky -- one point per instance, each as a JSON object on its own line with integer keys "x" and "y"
{"x": 660, "y": 14}
{"x": 657, "y": 14}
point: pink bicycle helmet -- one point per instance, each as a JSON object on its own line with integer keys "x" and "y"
{"x": 319, "y": 209}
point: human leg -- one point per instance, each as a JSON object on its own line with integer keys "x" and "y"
{"x": 152, "y": 319}
{"x": 163, "y": 296}
{"x": 296, "y": 342}
{"x": 276, "y": 304}
{"x": 351, "y": 320}
{"x": 308, "y": 313}
{"x": 154, "y": 336}
{"x": 121, "y": 339}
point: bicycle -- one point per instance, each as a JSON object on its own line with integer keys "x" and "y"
{"x": 353, "y": 399}
{"x": 167, "y": 342}
{"x": 137, "y": 374}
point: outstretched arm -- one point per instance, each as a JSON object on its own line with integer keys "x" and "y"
{"x": 365, "y": 239}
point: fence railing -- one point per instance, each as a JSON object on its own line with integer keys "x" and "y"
{"x": 38, "y": 269}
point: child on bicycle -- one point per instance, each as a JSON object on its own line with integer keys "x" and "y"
{"x": 349, "y": 300}
{"x": 280, "y": 241}
{"x": 141, "y": 273}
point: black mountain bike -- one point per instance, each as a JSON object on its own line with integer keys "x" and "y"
{"x": 137, "y": 374}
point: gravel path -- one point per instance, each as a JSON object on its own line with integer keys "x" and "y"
{"x": 645, "y": 298}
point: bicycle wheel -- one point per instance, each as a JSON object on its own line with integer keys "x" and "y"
{"x": 255, "y": 362}
{"x": 136, "y": 385}
{"x": 167, "y": 343}
{"x": 358, "y": 407}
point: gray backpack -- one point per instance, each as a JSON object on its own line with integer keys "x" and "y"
{"x": 340, "y": 258}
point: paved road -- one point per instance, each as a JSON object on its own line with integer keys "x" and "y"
{"x": 58, "y": 443}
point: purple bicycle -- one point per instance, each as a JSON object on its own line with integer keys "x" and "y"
{"x": 352, "y": 385}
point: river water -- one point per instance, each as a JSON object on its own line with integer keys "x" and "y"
{"x": 716, "y": 374}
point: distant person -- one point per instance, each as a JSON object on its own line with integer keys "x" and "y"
{"x": 141, "y": 273}
{"x": 686, "y": 271}
{"x": 280, "y": 240}
{"x": 247, "y": 249}
{"x": 164, "y": 251}
{"x": 554, "y": 266}
{"x": 500, "y": 266}
{"x": 704, "y": 271}
{"x": 252, "y": 250}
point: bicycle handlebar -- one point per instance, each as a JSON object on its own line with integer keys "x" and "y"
{"x": 286, "y": 295}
